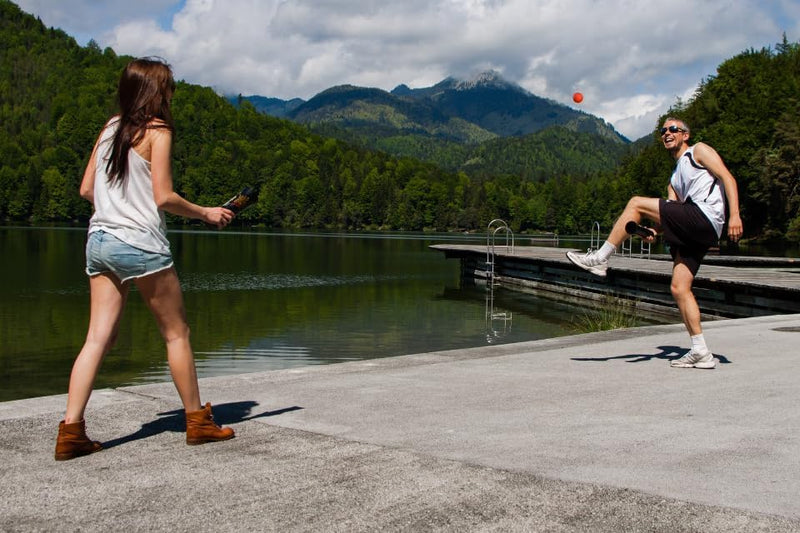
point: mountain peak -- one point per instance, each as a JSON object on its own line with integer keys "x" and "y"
{"x": 488, "y": 78}
{"x": 402, "y": 90}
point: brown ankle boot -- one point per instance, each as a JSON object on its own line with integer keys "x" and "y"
{"x": 200, "y": 427}
{"x": 72, "y": 441}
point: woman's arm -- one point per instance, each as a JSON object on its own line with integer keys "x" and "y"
{"x": 165, "y": 197}
{"x": 87, "y": 183}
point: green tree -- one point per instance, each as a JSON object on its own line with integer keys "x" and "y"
{"x": 55, "y": 196}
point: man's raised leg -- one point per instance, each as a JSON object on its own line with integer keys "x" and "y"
{"x": 638, "y": 208}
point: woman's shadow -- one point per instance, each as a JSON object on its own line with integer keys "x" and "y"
{"x": 175, "y": 421}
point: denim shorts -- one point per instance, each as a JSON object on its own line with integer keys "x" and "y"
{"x": 106, "y": 253}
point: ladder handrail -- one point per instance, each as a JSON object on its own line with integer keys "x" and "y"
{"x": 504, "y": 318}
{"x": 644, "y": 247}
{"x": 592, "y": 246}
{"x": 492, "y": 229}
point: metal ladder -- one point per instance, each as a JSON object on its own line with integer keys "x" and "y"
{"x": 594, "y": 245}
{"x": 498, "y": 323}
{"x": 627, "y": 248}
{"x": 495, "y": 226}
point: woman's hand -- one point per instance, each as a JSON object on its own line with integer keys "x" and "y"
{"x": 217, "y": 216}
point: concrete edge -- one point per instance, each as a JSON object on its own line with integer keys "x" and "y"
{"x": 29, "y": 407}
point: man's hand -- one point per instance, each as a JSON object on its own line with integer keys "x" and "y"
{"x": 735, "y": 228}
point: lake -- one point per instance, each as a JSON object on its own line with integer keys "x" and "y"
{"x": 257, "y": 301}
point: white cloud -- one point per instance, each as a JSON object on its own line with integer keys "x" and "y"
{"x": 631, "y": 59}
{"x": 87, "y": 19}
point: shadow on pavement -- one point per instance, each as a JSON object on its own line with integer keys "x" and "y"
{"x": 667, "y": 353}
{"x": 175, "y": 421}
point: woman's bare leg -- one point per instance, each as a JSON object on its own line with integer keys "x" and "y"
{"x": 107, "y": 298}
{"x": 162, "y": 294}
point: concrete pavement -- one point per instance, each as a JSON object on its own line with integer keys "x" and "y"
{"x": 585, "y": 433}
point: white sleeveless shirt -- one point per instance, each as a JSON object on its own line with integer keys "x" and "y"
{"x": 126, "y": 208}
{"x": 691, "y": 180}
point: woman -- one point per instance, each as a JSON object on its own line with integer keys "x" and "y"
{"x": 128, "y": 180}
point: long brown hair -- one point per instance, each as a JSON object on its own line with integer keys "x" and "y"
{"x": 145, "y": 90}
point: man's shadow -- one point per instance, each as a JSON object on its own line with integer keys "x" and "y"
{"x": 667, "y": 353}
{"x": 175, "y": 421}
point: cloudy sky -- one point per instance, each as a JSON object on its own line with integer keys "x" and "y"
{"x": 631, "y": 59}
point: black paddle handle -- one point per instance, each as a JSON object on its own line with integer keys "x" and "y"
{"x": 635, "y": 229}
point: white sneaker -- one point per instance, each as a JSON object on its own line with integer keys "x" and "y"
{"x": 589, "y": 262}
{"x": 695, "y": 360}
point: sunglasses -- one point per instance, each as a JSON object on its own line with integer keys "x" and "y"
{"x": 672, "y": 129}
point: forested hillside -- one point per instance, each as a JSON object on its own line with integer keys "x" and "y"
{"x": 55, "y": 96}
{"x": 460, "y": 125}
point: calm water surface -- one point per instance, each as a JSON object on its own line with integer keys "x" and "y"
{"x": 256, "y": 301}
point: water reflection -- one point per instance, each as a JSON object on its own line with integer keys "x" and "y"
{"x": 498, "y": 321}
{"x": 257, "y": 301}
{"x": 247, "y": 281}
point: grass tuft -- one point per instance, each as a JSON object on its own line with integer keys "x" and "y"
{"x": 611, "y": 313}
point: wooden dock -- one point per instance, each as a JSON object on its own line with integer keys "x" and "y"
{"x": 725, "y": 286}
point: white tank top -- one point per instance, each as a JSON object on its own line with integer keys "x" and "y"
{"x": 691, "y": 180}
{"x": 126, "y": 208}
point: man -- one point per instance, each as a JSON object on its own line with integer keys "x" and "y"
{"x": 692, "y": 219}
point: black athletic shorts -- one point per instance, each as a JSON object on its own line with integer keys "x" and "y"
{"x": 687, "y": 231}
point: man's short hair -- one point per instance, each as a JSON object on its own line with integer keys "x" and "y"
{"x": 675, "y": 119}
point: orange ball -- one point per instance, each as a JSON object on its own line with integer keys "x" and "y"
{"x": 577, "y": 98}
